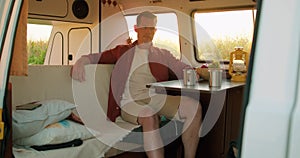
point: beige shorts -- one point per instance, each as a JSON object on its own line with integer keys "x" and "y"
{"x": 165, "y": 105}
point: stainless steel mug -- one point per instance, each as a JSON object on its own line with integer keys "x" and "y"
{"x": 215, "y": 77}
{"x": 189, "y": 77}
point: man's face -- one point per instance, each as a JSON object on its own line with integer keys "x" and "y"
{"x": 145, "y": 30}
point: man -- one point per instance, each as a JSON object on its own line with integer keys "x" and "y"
{"x": 136, "y": 65}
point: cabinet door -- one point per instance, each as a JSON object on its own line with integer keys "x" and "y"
{"x": 212, "y": 144}
{"x": 234, "y": 109}
{"x": 216, "y": 143}
{"x": 55, "y": 8}
{"x": 233, "y": 115}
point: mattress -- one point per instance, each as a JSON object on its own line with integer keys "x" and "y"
{"x": 92, "y": 148}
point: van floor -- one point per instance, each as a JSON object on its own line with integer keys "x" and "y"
{"x": 172, "y": 150}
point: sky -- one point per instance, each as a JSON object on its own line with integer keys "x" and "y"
{"x": 231, "y": 23}
{"x": 38, "y": 32}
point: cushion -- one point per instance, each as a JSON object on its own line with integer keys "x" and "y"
{"x": 29, "y": 122}
{"x": 56, "y": 133}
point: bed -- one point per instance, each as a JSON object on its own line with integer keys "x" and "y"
{"x": 50, "y": 84}
{"x": 45, "y": 83}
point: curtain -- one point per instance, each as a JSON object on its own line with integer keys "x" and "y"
{"x": 19, "y": 64}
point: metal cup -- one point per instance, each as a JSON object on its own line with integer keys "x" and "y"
{"x": 189, "y": 77}
{"x": 215, "y": 79}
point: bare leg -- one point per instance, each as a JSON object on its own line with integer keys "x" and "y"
{"x": 191, "y": 111}
{"x": 152, "y": 140}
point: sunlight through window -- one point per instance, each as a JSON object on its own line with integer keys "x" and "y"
{"x": 218, "y": 33}
{"x": 166, "y": 36}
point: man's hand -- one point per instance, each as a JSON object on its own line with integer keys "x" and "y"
{"x": 203, "y": 72}
{"x": 77, "y": 71}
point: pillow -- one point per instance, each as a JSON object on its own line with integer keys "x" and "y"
{"x": 56, "y": 133}
{"x": 29, "y": 122}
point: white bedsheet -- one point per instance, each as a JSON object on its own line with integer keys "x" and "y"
{"x": 91, "y": 148}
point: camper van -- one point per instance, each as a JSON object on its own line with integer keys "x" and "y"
{"x": 244, "y": 72}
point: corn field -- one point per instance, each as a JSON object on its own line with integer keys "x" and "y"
{"x": 36, "y": 51}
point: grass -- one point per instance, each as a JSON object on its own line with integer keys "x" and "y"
{"x": 36, "y": 51}
{"x": 222, "y": 47}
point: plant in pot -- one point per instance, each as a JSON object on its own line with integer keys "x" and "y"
{"x": 203, "y": 70}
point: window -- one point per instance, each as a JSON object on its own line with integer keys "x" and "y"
{"x": 37, "y": 42}
{"x": 166, "y": 36}
{"x": 218, "y": 33}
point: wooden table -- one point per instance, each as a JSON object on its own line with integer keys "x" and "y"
{"x": 221, "y": 112}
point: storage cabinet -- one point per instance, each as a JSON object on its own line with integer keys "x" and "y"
{"x": 227, "y": 99}
{"x": 55, "y": 8}
{"x": 216, "y": 143}
{"x": 79, "y": 11}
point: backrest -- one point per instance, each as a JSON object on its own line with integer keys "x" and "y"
{"x": 54, "y": 82}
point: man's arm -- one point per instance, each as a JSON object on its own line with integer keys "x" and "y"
{"x": 177, "y": 66}
{"x": 77, "y": 70}
{"x": 107, "y": 57}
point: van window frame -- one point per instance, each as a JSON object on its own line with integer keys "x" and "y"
{"x": 7, "y": 43}
{"x": 212, "y": 10}
{"x": 5, "y": 12}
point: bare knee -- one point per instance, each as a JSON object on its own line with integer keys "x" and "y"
{"x": 190, "y": 108}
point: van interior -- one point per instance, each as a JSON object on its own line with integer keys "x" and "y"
{"x": 42, "y": 39}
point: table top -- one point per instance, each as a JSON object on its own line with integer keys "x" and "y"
{"x": 202, "y": 86}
